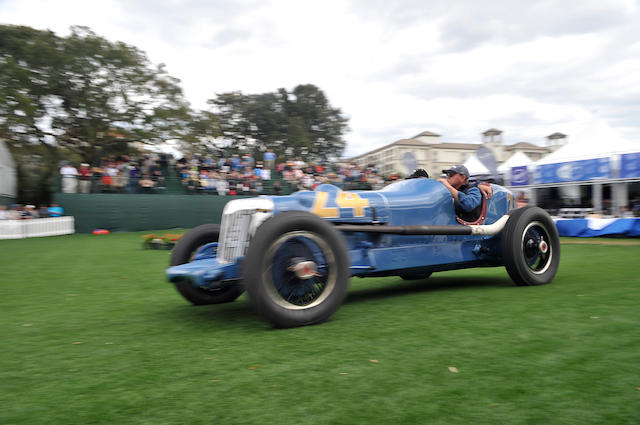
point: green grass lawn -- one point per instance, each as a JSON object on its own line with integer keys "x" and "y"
{"x": 92, "y": 334}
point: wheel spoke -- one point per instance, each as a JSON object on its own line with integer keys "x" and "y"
{"x": 535, "y": 249}
{"x": 292, "y": 284}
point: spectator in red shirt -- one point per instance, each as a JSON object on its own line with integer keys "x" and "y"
{"x": 85, "y": 178}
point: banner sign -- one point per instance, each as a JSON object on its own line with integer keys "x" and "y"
{"x": 486, "y": 158}
{"x": 588, "y": 169}
{"x": 630, "y": 165}
{"x": 519, "y": 176}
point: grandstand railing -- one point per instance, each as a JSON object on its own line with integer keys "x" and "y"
{"x": 37, "y": 227}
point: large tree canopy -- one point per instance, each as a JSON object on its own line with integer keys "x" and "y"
{"x": 299, "y": 123}
{"x": 84, "y": 93}
{"x": 86, "y": 96}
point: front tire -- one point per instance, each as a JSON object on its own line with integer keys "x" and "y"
{"x": 296, "y": 270}
{"x": 183, "y": 253}
{"x": 531, "y": 247}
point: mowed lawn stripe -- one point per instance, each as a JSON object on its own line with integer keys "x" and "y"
{"x": 93, "y": 334}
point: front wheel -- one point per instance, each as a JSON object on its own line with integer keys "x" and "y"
{"x": 296, "y": 270}
{"x": 531, "y": 246}
{"x": 183, "y": 252}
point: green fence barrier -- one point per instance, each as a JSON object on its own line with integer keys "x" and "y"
{"x": 130, "y": 213}
{"x": 121, "y": 212}
{"x": 7, "y": 200}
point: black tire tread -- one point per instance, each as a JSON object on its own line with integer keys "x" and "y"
{"x": 181, "y": 254}
{"x": 253, "y": 269}
{"x": 512, "y": 246}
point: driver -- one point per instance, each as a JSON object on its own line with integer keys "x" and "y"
{"x": 466, "y": 197}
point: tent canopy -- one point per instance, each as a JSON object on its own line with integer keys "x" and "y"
{"x": 475, "y": 167}
{"x": 518, "y": 159}
{"x": 597, "y": 140}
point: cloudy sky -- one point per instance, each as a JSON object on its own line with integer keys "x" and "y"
{"x": 395, "y": 68}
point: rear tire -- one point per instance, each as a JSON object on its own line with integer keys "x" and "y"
{"x": 183, "y": 253}
{"x": 531, "y": 247}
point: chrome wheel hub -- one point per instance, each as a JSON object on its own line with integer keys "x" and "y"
{"x": 304, "y": 269}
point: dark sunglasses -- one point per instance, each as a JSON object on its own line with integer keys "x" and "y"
{"x": 451, "y": 173}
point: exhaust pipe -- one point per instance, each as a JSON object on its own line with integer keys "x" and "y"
{"x": 481, "y": 229}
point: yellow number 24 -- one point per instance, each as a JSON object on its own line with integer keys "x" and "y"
{"x": 343, "y": 200}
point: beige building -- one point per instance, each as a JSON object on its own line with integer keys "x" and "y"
{"x": 426, "y": 150}
{"x": 492, "y": 139}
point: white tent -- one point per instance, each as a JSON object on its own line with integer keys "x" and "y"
{"x": 7, "y": 173}
{"x": 597, "y": 140}
{"x": 475, "y": 167}
{"x": 593, "y": 141}
{"x": 518, "y": 159}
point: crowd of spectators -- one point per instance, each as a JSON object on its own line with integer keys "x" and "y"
{"x": 243, "y": 175}
{"x": 26, "y": 212}
{"x": 232, "y": 175}
{"x": 116, "y": 174}
{"x": 223, "y": 176}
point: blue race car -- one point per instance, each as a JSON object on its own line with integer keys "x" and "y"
{"x": 294, "y": 254}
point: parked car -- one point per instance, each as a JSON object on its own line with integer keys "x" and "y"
{"x": 295, "y": 254}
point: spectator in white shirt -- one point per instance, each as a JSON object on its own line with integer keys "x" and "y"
{"x": 69, "y": 179}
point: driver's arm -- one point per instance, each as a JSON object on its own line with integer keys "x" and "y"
{"x": 452, "y": 190}
{"x": 486, "y": 189}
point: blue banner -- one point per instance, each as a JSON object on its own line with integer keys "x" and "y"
{"x": 588, "y": 169}
{"x": 519, "y": 176}
{"x": 630, "y": 165}
{"x": 592, "y": 227}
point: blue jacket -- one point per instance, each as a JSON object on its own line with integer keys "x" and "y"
{"x": 469, "y": 199}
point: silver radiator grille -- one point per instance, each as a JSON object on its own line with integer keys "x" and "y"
{"x": 234, "y": 235}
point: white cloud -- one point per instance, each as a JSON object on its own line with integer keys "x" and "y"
{"x": 395, "y": 68}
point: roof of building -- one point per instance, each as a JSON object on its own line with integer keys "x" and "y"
{"x": 414, "y": 142}
{"x": 557, "y": 135}
{"x": 526, "y": 146}
{"x": 464, "y": 146}
{"x": 426, "y": 133}
{"x": 401, "y": 142}
{"x": 410, "y": 142}
{"x": 492, "y": 131}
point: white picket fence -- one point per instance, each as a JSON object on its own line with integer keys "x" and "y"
{"x": 20, "y": 229}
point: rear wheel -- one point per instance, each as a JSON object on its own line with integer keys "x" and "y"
{"x": 296, "y": 269}
{"x": 531, "y": 246}
{"x": 183, "y": 252}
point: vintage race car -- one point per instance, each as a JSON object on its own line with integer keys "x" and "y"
{"x": 294, "y": 255}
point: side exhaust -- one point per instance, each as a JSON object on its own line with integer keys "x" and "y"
{"x": 482, "y": 229}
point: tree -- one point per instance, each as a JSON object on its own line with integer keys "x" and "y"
{"x": 300, "y": 123}
{"x": 84, "y": 94}
{"x": 323, "y": 124}
{"x": 202, "y": 134}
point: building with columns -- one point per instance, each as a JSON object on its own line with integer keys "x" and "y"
{"x": 427, "y": 150}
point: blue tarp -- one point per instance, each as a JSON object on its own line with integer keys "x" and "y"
{"x": 519, "y": 176}
{"x": 589, "y": 227}
{"x": 588, "y": 169}
{"x": 630, "y": 165}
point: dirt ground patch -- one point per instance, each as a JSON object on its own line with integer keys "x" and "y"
{"x": 600, "y": 241}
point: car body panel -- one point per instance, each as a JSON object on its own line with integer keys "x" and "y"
{"x": 410, "y": 202}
